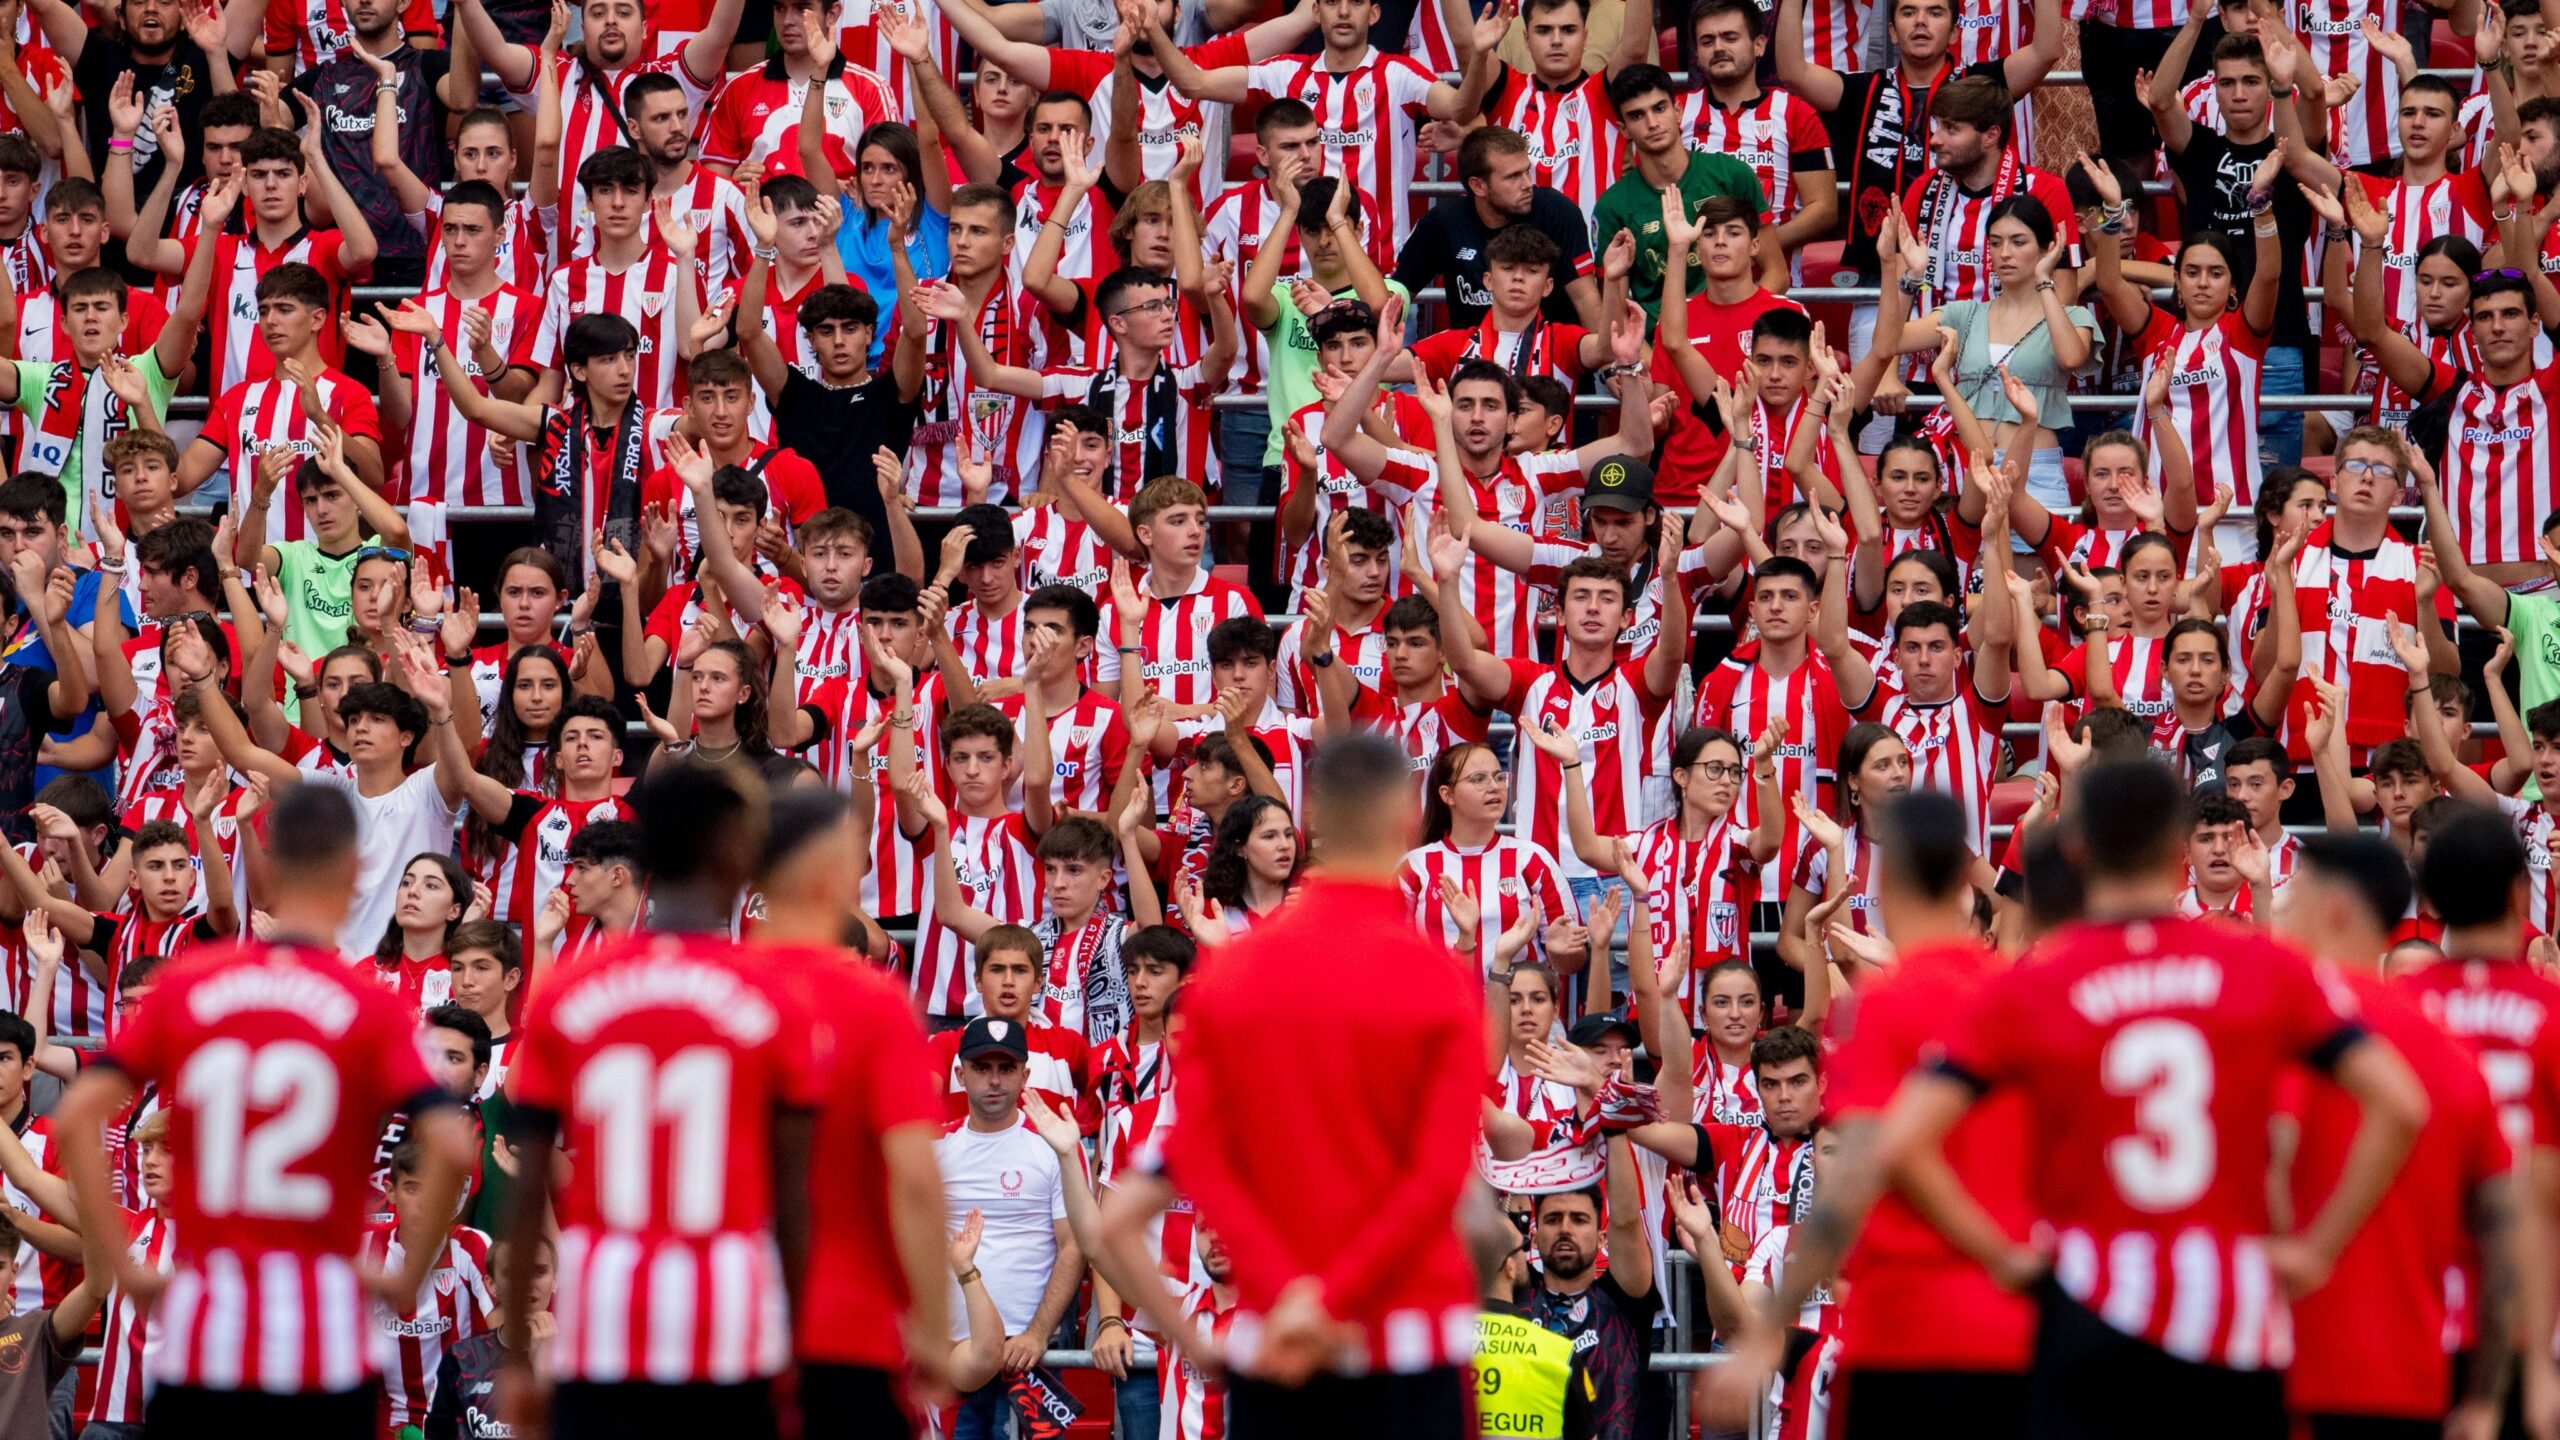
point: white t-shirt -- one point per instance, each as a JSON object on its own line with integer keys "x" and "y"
{"x": 1011, "y": 1178}
{"x": 392, "y": 829}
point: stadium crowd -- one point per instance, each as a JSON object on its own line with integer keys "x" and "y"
{"x": 664, "y": 661}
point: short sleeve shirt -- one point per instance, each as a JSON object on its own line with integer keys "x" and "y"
{"x": 34, "y": 375}
{"x": 1292, "y": 378}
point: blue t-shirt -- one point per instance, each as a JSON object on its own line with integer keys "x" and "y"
{"x": 864, "y": 243}
{"x": 31, "y": 651}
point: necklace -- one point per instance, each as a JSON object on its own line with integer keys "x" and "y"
{"x": 703, "y": 752}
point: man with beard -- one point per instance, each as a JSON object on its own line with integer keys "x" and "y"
{"x": 430, "y": 83}
{"x": 1608, "y": 1316}
{"x": 1450, "y": 243}
{"x": 1531, "y": 1380}
{"x": 169, "y": 68}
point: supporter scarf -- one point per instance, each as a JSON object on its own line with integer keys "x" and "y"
{"x": 1939, "y": 200}
{"x": 1159, "y": 453}
{"x": 1485, "y": 341}
{"x": 47, "y": 447}
{"x": 565, "y": 509}
{"x": 2347, "y": 607}
{"x": 1071, "y": 968}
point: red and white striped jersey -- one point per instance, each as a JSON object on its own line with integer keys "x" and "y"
{"x": 1952, "y": 224}
{"x": 830, "y": 649}
{"x": 1572, "y": 130}
{"x": 1423, "y": 727}
{"x": 1175, "y": 634}
{"x": 1010, "y": 323}
{"x": 1366, "y": 119}
{"x": 128, "y": 936}
{"x": 524, "y": 246}
{"x": 1759, "y": 1178}
{"x": 1059, "y": 550}
{"x": 1955, "y": 744}
{"x": 257, "y": 416}
{"x": 1088, "y": 253}
{"x": 1195, "y": 1405}
{"x": 2454, "y": 204}
{"x": 665, "y": 1058}
{"x": 278, "y": 1064}
{"x": 716, "y": 208}
{"x": 118, "y": 1390}
{"x": 900, "y": 880}
{"x": 860, "y": 42}
{"x": 1776, "y": 135}
{"x": 1161, "y": 423}
{"x": 2347, "y": 605}
{"x": 449, "y": 460}
{"x": 535, "y": 861}
{"x": 990, "y": 646}
{"x": 2500, "y": 479}
{"x": 1727, "y": 1094}
{"x": 1740, "y": 698}
{"x": 2137, "y": 665}
{"x": 1235, "y": 226}
{"x": 1060, "y": 1061}
{"x": 231, "y": 311}
{"x": 1290, "y": 738}
{"x": 2149, "y": 1052}
{"x": 1164, "y": 114}
{"x": 1088, "y": 747}
{"x": 999, "y": 872}
{"x": 186, "y": 221}
{"x": 28, "y": 1294}
{"x": 1505, "y": 879}
{"x": 315, "y": 32}
{"x": 2213, "y": 398}
{"x": 2535, "y": 826}
{"x": 1361, "y": 651}
{"x": 644, "y": 293}
{"x": 1988, "y": 32}
{"x": 1340, "y": 490}
{"x": 1697, "y": 889}
{"x": 756, "y": 116}
{"x": 1609, "y": 718}
{"x": 1835, "y": 33}
{"x": 2367, "y": 128}
{"x": 592, "y": 106}
{"x": 1515, "y": 496}
{"x": 456, "y": 1302}
{"x": 1863, "y": 913}
{"x": 28, "y": 266}
{"x": 2454, "y": 350}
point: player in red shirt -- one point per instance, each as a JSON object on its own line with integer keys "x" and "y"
{"x": 1331, "y": 1156}
{"x": 280, "y": 1063}
{"x": 2149, "y": 1049}
{"x": 2370, "y": 1343}
{"x": 1929, "y": 1328}
{"x": 864, "y": 1314}
{"x": 679, "y": 1070}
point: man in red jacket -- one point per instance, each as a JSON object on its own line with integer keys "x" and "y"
{"x": 1331, "y": 1153}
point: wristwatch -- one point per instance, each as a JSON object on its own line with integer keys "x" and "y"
{"x": 1321, "y": 662}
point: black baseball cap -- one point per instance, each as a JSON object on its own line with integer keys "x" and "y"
{"x": 1342, "y": 317}
{"x": 1587, "y": 1031}
{"x": 1619, "y": 482}
{"x": 988, "y": 1034}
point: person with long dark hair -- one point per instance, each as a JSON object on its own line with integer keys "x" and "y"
{"x": 413, "y": 959}
{"x": 1252, "y": 867}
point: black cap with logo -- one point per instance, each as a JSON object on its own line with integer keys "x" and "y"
{"x": 988, "y": 1034}
{"x": 1619, "y": 482}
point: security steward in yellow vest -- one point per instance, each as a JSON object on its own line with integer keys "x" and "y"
{"x": 1530, "y": 1383}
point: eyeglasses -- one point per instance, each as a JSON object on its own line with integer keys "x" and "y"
{"x": 2374, "y": 468}
{"x": 1157, "y": 306}
{"x": 1721, "y": 770}
{"x": 192, "y": 617}
{"x": 2501, "y": 273}
{"x": 383, "y": 552}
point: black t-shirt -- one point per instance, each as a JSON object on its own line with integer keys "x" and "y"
{"x": 1447, "y": 248}
{"x": 185, "y": 80}
{"x": 344, "y": 90}
{"x": 2215, "y": 174}
{"x": 838, "y": 431}
{"x": 1612, "y": 1331}
{"x": 26, "y": 717}
{"x": 1882, "y": 130}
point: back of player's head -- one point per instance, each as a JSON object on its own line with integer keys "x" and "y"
{"x": 593, "y": 337}
{"x": 311, "y": 835}
{"x": 1923, "y": 842}
{"x": 2128, "y": 818}
{"x": 700, "y": 828}
{"x": 2472, "y": 866}
{"x": 1361, "y": 796}
{"x": 2366, "y": 866}
{"x": 797, "y": 818}
{"x": 2054, "y": 896}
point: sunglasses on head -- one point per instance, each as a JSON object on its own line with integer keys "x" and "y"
{"x": 2501, "y": 273}
{"x": 383, "y": 552}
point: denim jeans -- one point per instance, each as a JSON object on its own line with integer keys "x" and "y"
{"x": 1140, "y": 1400}
{"x": 1587, "y": 890}
{"x": 2280, "y": 431}
{"x": 985, "y": 1413}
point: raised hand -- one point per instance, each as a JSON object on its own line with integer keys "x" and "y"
{"x": 675, "y": 230}
{"x": 1463, "y": 911}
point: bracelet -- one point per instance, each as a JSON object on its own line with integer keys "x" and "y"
{"x": 111, "y": 567}
{"x": 2339, "y": 234}
{"x": 306, "y": 692}
{"x": 1054, "y": 220}
{"x": 1106, "y": 1322}
{"x": 447, "y": 720}
{"x": 2284, "y": 94}
{"x": 426, "y": 625}
{"x": 902, "y": 719}
{"x": 1132, "y": 649}
{"x": 457, "y": 662}
{"x": 2265, "y": 229}
{"x": 966, "y": 1277}
{"x": 1913, "y": 284}
{"x": 2503, "y": 219}
{"x": 766, "y": 253}
{"x": 1576, "y": 765}
{"x": 2044, "y": 287}
{"x": 2261, "y": 201}
{"x": 119, "y": 144}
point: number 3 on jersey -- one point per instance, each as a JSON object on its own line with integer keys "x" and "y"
{"x": 627, "y": 1096}
{"x": 2166, "y": 1067}
{"x": 246, "y": 1169}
